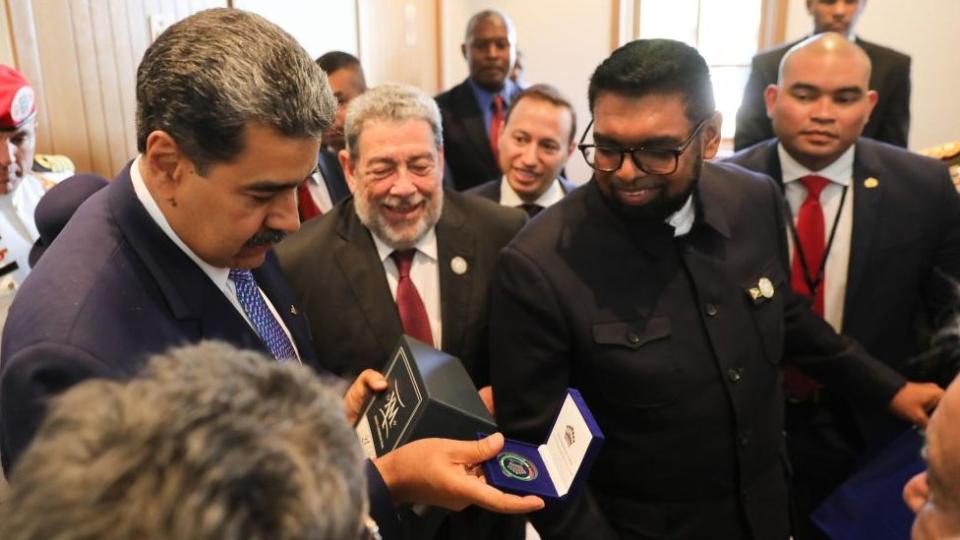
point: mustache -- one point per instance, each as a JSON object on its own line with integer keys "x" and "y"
{"x": 403, "y": 203}
{"x": 266, "y": 238}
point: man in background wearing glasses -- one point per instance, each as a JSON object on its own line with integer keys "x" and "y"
{"x": 660, "y": 291}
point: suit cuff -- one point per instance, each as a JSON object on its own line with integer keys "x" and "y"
{"x": 382, "y": 509}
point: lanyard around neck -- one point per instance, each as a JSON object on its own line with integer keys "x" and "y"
{"x": 813, "y": 281}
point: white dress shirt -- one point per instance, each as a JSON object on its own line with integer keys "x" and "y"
{"x": 425, "y": 274}
{"x": 17, "y": 227}
{"x": 219, "y": 276}
{"x": 682, "y": 220}
{"x": 319, "y": 192}
{"x": 550, "y": 196}
{"x": 840, "y": 174}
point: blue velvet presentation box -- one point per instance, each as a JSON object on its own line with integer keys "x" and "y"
{"x": 557, "y": 468}
{"x": 430, "y": 394}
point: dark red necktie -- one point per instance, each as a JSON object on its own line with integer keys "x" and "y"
{"x": 496, "y": 124}
{"x": 413, "y": 315}
{"x": 307, "y": 208}
{"x": 811, "y": 232}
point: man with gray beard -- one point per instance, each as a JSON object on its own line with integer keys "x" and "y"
{"x": 401, "y": 255}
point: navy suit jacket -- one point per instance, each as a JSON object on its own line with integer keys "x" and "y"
{"x": 466, "y": 145}
{"x": 332, "y": 174}
{"x": 905, "y": 239}
{"x": 890, "y": 77}
{"x": 491, "y": 190}
{"x": 109, "y": 293}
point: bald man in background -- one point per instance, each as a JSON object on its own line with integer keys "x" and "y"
{"x": 888, "y": 226}
{"x": 890, "y": 121}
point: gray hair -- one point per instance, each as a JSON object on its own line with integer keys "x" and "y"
{"x": 206, "y": 77}
{"x": 391, "y": 102}
{"x": 490, "y": 14}
{"x": 209, "y": 442}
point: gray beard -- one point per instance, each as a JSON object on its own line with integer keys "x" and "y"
{"x": 373, "y": 221}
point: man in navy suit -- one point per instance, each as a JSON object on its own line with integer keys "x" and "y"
{"x": 473, "y": 110}
{"x": 327, "y": 187}
{"x": 537, "y": 141}
{"x": 890, "y": 77}
{"x": 163, "y": 256}
{"x": 890, "y": 229}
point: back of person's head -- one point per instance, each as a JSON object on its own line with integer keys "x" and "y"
{"x": 656, "y": 66}
{"x": 209, "y": 442}
{"x": 206, "y": 77}
{"x": 337, "y": 60}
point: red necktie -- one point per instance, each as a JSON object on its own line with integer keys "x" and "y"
{"x": 810, "y": 235}
{"x": 496, "y": 123}
{"x": 307, "y": 208}
{"x": 811, "y": 232}
{"x": 413, "y": 315}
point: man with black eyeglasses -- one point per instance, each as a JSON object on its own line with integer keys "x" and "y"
{"x": 660, "y": 290}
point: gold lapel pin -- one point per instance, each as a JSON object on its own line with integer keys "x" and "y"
{"x": 459, "y": 265}
{"x": 871, "y": 183}
{"x": 293, "y": 310}
{"x": 754, "y": 293}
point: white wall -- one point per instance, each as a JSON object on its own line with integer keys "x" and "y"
{"x": 926, "y": 30}
{"x": 562, "y": 43}
{"x": 319, "y": 26}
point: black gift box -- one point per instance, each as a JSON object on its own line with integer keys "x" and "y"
{"x": 430, "y": 395}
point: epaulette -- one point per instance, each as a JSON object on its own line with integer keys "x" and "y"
{"x": 54, "y": 163}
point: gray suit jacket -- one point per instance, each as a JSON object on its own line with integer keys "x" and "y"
{"x": 338, "y": 279}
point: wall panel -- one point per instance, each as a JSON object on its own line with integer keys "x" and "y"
{"x": 81, "y": 56}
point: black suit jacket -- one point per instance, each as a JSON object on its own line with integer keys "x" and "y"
{"x": 491, "y": 190}
{"x": 890, "y": 77}
{"x": 905, "y": 241}
{"x": 332, "y": 174}
{"x": 466, "y": 146}
{"x": 677, "y": 361}
{"x": 102, "y": 308}
{"x": 333, "y": 266}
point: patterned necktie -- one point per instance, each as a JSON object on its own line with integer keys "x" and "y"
{"x": 266, "y": 325}
{"x": 496, "y": 123}
{"x": 810, "y": 236}
{"x": 413, "y": 315}
{"x": 531, "y": 209}
{"x": 308, "y": 208}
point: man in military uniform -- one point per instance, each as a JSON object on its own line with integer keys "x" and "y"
{"x": 23, "y": 180}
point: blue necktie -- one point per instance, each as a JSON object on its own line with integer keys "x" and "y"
{"x": 270, "y": 331}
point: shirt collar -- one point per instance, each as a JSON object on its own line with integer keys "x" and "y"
{"x": 220, "y": 276}
{"x": 485, "y": 97}
{"x": 427, "y": 245}
{"x": 838, "y": 172}
{"x": 682, "y": 220}
{"x": 550, "y": 196}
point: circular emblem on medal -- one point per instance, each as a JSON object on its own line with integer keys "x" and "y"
{"x": 766, "y": 287}
{"x": 516, "y": 466}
